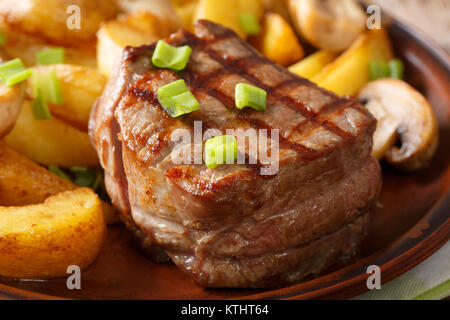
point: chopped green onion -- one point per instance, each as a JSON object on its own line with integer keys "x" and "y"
{"x": 84, "y": 176}
{"x": 81, "y": 176}
{"x": 249, "y": 23}
{"x": 3, "y": 39}
{"x": 396, "y": 68}
{"x": 56, "y": 170}
{"x": 378, "y": 69}
{"x": 40, "y": 108}
{"x": 176, "y": 99}
{"x": 51, "y": 56}
{"x": 48, "y": 86}
{"x": 13, "y": 72}
{"x": 220, "y": 150}
{"x": 167, "y": 56}
{"x": 247, "y": 95}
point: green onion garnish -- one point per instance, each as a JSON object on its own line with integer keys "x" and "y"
{"x": 247, "y": 95}
{"x": 176, "y": 99}
{"x": 48, "y": 86}
{"x": 13, "y": 72}
{"x": 40, "y": 108}
{"x": 85, "y": 176}
{"x": 51, "y": 56}
{"x": 3, "y": 39}
{"x": 249, "y": 23}
{"x": 81, "y": 176}
{"x": 378, "y": 69}
{"x": 396, "y": 68}
{"x": 56, "y": 170}
{"x": 167, "y": 56}
{"x": 220, "y": 150}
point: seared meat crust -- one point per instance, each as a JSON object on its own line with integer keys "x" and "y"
{"x": 232, "y": 226}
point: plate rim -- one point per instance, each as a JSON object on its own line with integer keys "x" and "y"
{"x": 352, "y": 286}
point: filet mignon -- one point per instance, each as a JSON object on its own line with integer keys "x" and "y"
{"x": 231, "y": 226}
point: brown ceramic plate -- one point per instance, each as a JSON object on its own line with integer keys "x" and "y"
{"x": 412, "y": 224}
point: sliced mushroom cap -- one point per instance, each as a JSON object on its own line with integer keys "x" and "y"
{"x": 328, "y": 24}
{"x": 403, "y": 113}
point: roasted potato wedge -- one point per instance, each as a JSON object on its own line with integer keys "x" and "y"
{"x": 50, "y": 141}
{"x": 162, "y": 9}
{"x": 55, "y": 20}
{"x": 227, "y": 12}
{"x": 350, "y": 71}
{"x": 11, "y": 99}
{"x": 26, "y": 46}
{"x": 278, "y": 6}
{"x": 42, "y": 240}
{"x": 313, "y": 64}
{"x": 186, "y": 12}
{"x": 80, "y": 87}
{"x": 278, "y": 40}
{"x": 134, "y": 29}
{"x": 24, "y": 182}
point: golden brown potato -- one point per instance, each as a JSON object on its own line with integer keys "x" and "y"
{"x": 11, "y": 99}
{"x": 24, "y": 182}
{"x": 25, "y": 46}
{"x": 135, "y": 29}
{"x": 313, "y": 64}
{"x": 42, "y": 240}
{"x": 50, "y": 142}
{"x": 227, "y": 12}
{"x": 186, "y": 12}
{"x": 277, "y": 6}
{"x": 278, "y": 40}
{"x": 57, "y": 20}
{"x": 350, "y": 71}
{"x": 162, "y": 9}
{"x": 80, "y": 87}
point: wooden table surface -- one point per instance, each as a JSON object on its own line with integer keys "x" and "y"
{"x": 431, "y": 16}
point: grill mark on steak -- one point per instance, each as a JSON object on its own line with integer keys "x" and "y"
{"x": 241, "y": 67}
{"x": 235, "y": 66}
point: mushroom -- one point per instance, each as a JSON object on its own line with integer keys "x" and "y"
{"x": 328, "y": 24}
{"x": 11, "y": 99}
{"x": 403, "y": 114}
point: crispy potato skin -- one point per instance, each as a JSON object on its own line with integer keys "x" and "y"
{"x": 26, "y": 46}
{"x": 50, "y": 142}
{"x": 24, "y": 182}
{"x": 41, "y": 241}
{"x": 80, "y": 87}
{"x": 49, "y": 18}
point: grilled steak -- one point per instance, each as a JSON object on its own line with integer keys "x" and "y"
{"x": 232, "y": 226}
